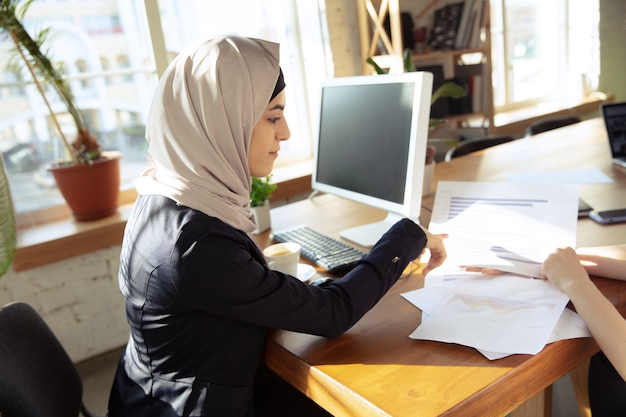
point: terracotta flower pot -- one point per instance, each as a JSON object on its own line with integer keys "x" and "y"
{"x": 91, "y": 191}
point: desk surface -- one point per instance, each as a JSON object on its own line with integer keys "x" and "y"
{"x": 375, "y": 369}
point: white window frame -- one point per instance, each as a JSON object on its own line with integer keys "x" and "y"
{"x": 575, "y": 80}
{"x": 304, "y": 55}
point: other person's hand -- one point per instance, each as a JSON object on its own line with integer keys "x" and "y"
{"x": 563, "y": 268}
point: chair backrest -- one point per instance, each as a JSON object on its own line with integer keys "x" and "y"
{"x": 549, "y": 124}
{"x": 474, "y": 145}
{"x": 37, "y": 377}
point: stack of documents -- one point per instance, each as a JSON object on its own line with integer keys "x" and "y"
{"x": 509, "y": 229}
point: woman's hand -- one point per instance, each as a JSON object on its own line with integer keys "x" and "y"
{"x": 437, "y": 251}
{"x": 563, "y": 268}
{"x": 604, "y": 261}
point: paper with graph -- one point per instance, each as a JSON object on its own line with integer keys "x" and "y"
{"x": 506, "y": 227}
{"x": 498, "y": 315}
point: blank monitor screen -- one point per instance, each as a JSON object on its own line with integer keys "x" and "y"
{"x": 353, "y": 142}
{"x": 371, "y": 141}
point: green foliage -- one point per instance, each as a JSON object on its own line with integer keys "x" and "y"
{"x": 377, "y": 67}
{"x": 7, "y": 223}
{"x": 448, "y": 89}
{"x": 407, "y": 62}
{"x": 261, "y": 190}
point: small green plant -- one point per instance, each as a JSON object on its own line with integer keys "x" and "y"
{"x": 447, "y": 89}
{"x": 262, "y": 190}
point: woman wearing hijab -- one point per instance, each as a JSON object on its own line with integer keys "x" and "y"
{"x": 200, "y": 298}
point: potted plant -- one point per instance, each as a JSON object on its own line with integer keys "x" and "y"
{"x": 260, "y": 193}
{"x": 89, "y": 180}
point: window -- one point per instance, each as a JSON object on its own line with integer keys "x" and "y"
{"x": 544, "y": 51}
{"x": 122, "y": 63}
{"x": 107, "y": 54}
{"x": 296, "y": 25}
{"x": 28, "y": 140}
{"x": 81, "y": 67}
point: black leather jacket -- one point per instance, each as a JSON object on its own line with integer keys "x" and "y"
{"x": 200, "y": 300}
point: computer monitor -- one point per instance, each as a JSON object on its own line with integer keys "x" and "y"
{"x": 371, "y": 145}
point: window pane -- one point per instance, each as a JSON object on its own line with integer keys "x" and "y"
{"x": 104, "y": 51}
{"x": 544, "y": 51}
{"x": 296, "y": 25}
{"x": 498, "y": 53}
{"x": 584, "y": 45}
{"x": 535, "y": 31}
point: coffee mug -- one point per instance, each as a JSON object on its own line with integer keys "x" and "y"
{"x": 283, "y": 257}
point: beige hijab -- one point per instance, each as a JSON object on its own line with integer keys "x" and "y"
{"x": 200, "y": 123}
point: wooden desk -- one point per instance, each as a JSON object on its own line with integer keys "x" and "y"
{"x": 375, "y": 369}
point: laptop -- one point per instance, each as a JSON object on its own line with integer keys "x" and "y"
{"x": 614, "y": 115}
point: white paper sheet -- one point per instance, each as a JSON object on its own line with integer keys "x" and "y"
{"x": 568, "y": 176}
{"x": 504, "y": 226}
{"x": 569, "y": 325}
{"x": 501, "y": 314}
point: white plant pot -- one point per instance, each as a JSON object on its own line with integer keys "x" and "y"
{"x": 429, "y": 173}
{"x": 262, "y": 217}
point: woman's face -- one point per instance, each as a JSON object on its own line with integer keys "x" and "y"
{"x": 270, "y": 130}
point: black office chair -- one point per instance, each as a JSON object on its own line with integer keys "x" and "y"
{"x": 37, "y": 377}
{"x": 549, "y": 124}
{"x": 474, "y": 145}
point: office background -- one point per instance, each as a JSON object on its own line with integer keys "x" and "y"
{"x": 79, "y": 297}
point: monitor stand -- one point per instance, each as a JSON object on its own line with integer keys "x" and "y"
{"x": 368, "y": 234}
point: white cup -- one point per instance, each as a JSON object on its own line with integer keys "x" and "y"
{"x": 283, "y": 257}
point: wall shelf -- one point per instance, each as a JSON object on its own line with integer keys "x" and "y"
{"x": 469, "y": 66}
